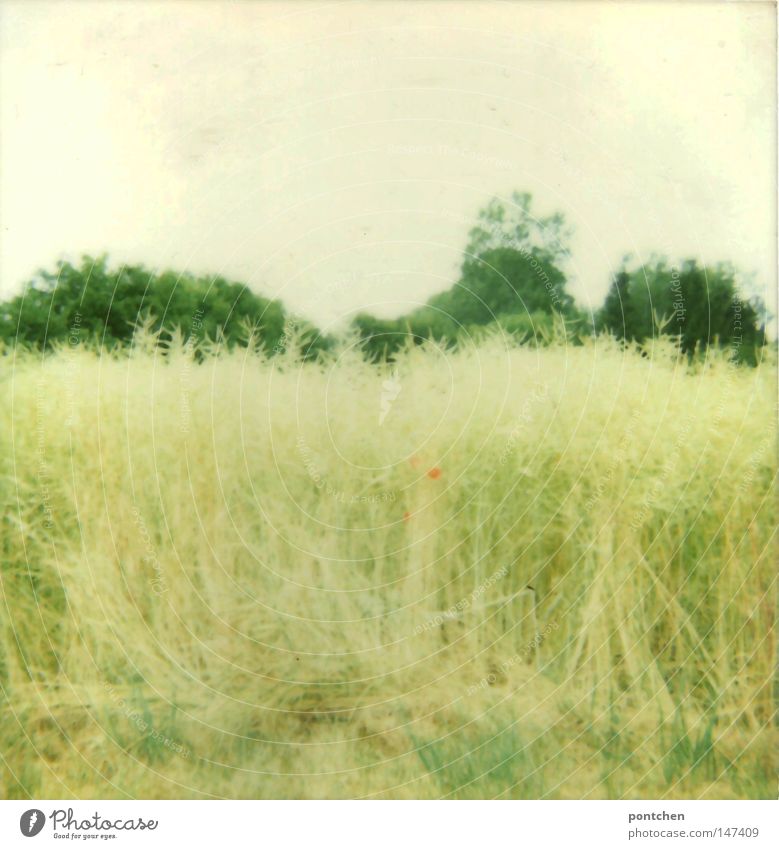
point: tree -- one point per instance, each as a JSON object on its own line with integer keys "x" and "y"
{"x": 93, "y": 302}
{"x": 699, "y": 305}
{"x": 511, "y": 277}
{"x": 506, "y": 281}
{"x": 514, "y": 225}
{"x": 512, "y": 264}
{"x": 616, "y": 308}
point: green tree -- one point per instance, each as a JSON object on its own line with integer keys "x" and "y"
{"x": 511, "y": 279}
{"x": 615, "y": 313}
{"x": 512, "y": 264}
{"x": 513, "y": 224}
{"x": 104, "y": 305}
{"x": 505, "y": 281}
{"x": 699, "y": 305}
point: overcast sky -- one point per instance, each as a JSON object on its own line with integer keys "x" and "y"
{"x": 335, "y": 155}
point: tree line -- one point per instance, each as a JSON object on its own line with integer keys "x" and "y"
{"x": 95, "y": 304}
{"x": 512, "y": 280}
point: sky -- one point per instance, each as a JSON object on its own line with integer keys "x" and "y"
{"x": 335, "y": 155}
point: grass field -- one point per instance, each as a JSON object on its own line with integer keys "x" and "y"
{"x": 498, "y": 573}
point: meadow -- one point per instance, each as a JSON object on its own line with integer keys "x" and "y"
{"x": 500, "y": 572}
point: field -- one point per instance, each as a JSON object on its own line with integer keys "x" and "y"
{"x": 502, "y": 572}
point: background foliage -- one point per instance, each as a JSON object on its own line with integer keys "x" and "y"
{"x": 92, "y": 302}
{"x": 699, "y": 305}
{"x": 513, "y": 280}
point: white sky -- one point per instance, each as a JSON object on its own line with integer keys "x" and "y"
{"x": 335, "y": 155}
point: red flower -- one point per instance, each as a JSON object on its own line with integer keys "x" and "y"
{"x": 434, "y": 473}
{"x": 406, "y": 516}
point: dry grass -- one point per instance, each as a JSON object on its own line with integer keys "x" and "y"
{"x": 209, "y": 587}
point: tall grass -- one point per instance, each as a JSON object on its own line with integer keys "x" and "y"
{"x": 546, "y": 573}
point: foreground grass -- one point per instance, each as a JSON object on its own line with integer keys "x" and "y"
{"x": 544, "y": 574}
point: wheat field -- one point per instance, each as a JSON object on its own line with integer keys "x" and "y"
{"x": 501, "y": 572}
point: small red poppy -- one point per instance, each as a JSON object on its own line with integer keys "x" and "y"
{"x": 434, "y": 473}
